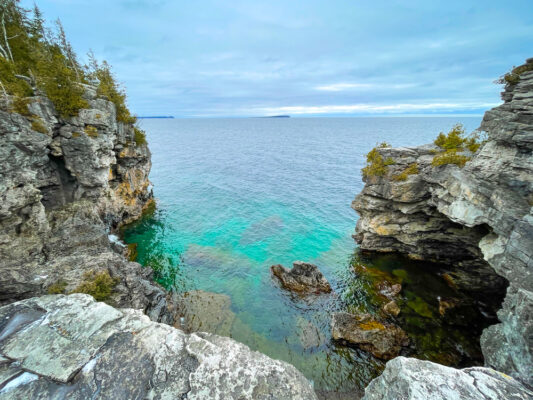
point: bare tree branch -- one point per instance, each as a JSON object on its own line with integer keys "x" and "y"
{"x": 5, "y": 37}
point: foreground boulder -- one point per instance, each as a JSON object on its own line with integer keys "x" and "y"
{"x": 381, "y": 339}
{"x": 71, "y": 346}
{"x": 302, "y": 278}
{"x": 412, "y": 379}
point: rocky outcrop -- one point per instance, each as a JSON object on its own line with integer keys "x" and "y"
{"x": 383, "y": 340}
{"x": 478, "y": 218}
{"x": 410, "y": 379}
{"x": 302, "y": 278}
{"x": 73, "y": 347}
{"x": 64, "y": 184}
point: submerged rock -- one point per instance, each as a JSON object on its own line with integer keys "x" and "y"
{"x": 71, "y": 346}
{"x": 302, "y": 278}
{"x": 392, "y": 308}
{"x": 205, "y": 312}
{"x": 412, "y": 379}
{"x": 309, "y": 334}
{"x": 383, "y": 340}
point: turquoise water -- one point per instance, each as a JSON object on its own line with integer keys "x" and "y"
{"x": 235, "y": 196}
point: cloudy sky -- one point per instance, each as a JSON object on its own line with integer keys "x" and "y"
{"x": 303, "y": 57}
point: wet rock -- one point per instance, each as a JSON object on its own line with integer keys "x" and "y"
{"x": 205, "y": 312}
{"x": 302, "y": 278}
{"x": 392, "y": 308}
{"x": 383, "y": 340}
{"x": 388, "y": 290}
{"x": 447, "y": 304}
{"x": 77, "y": 348}
{"x": 409, "y": 378}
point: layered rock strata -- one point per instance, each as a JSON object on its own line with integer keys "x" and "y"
{"x": 478, "y": 218}
{"x": 73, "y": 347}
{"x": 64, "y": 184}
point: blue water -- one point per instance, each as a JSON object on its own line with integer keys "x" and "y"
{"x": 235, "y": 196}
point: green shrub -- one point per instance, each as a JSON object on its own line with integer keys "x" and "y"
{"x": 375, "y": 165}
{"x": 97, "y": 284}
{"x": 139, "y": 136}
{"x": 19, "y": 105}
{"x": 58, "y": 287}
{"x": 453, "y": 140}
{"x": 513, "y": 77}
{"x": 38, "y": 126}
{"x": 91, "y": 131}
{"x": 449, "y": 157}
{"x": 412, "y": 169}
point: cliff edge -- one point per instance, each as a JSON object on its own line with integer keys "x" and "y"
{"x": 475, "y": 214}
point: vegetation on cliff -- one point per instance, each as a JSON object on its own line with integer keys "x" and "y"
{"x": 453, "y": 143}
{"x": 375, "y": 164}
{"x": 36, "y": 60}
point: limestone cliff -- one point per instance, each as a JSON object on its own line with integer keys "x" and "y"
{"x": 478, "y": 218}
{"x": 64, "y": 184}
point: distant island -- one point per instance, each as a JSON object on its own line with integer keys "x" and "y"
{"x": 156, "y": 116}
{"x": 277, "y": 116}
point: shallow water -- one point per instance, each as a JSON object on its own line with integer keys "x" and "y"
{"x": 235, "y": 196}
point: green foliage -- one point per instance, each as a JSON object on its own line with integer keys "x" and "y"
{"x": 19, "y": 105}
{"x": 513, "y": 77}
{"x": 97, "y": 284}
{"x": 38, "y": 126}
{"x": 453, "y": 143}
{"x": 109, "y": 88}
{"x": 33, "y": 59}
{"x": 449, "y": 157}
{"x": 139, "y": 136}
{"x": 91, "y": 131}
{"x": 58, "y": 287}
{"x": 412, "y": 169}
{"x": 375, "y": 164}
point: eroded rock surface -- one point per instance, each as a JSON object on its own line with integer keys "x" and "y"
{"x": 383, "y": 340}
{"x": 478, "y": 218}
{"x": 71, "y": 346}
{"x": 302, "y": 278}
{"x": 412, "y": 379}
{"x": 60, "y": 194}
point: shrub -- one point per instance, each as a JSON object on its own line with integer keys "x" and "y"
{"x": 513, "y": 77}
{"x": 412, "y": 169}
{"x": 38, "y": 126}
{"x": 139, "y": 136}
{"x": 453, "y": 140}
{"x": 97, "y": 284}
{"x": 375, "y": 165}
{"x": 58, "y": 287}
{"x": 449, "y": 157}
{"x": 91, "y": 131}
{"x": 19, "y": 105}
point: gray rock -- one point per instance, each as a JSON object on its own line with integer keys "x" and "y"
{"x": 73, "y": 347}
{"x": 412, "y": 379}
{"x": 383, "y": 340}
{"x": 477, "y": 219}
{"x": 302, "y": 278}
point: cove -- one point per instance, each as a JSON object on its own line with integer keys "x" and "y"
{"x": 235, "y": 196}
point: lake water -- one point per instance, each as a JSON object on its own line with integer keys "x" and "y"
{"x": 235, "y": 196}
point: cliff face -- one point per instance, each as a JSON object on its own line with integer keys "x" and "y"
{"x": 64, "y": 183}
{"x": 478, "y": 218}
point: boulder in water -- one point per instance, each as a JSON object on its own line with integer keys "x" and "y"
{"x": 383, "y": 340}
{"x": 302, "y": 278}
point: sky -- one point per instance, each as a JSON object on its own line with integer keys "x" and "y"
{"x": 240, "y": 58}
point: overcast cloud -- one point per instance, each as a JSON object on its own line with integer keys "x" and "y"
{"x": 308, "y": 57}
